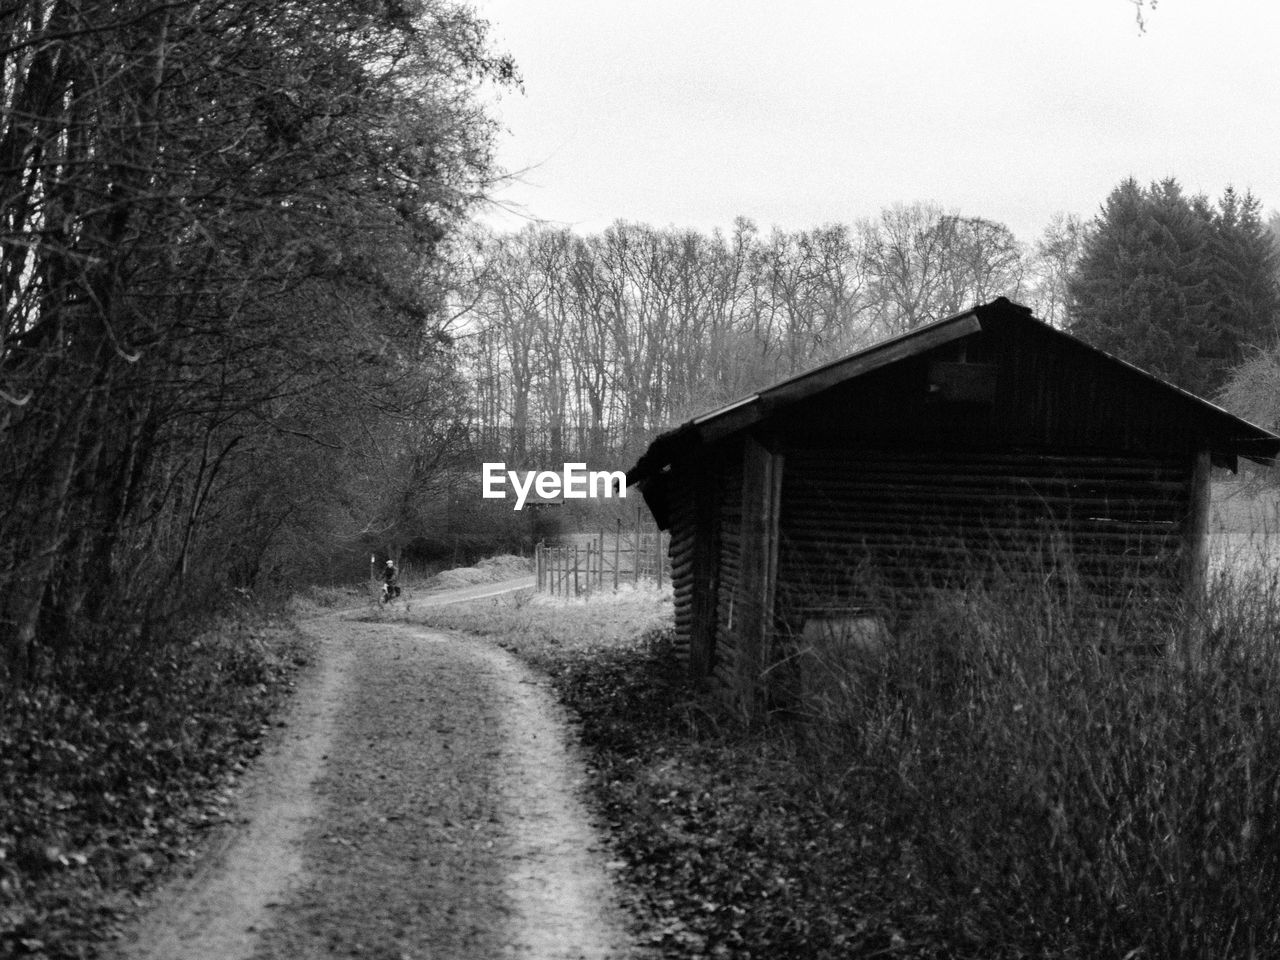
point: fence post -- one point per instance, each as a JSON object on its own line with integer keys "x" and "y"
{"x": 576, "y": 586}
{"x": 600, "y": 560}
{"x": 635, "y": 561}
{"x": 590, "y": 550}
{"x": 617, "y": 546}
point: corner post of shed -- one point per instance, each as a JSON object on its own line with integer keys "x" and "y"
{"x": 761, "y": 496}
{"x": 1195, "y": 553}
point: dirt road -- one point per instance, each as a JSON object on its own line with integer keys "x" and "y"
{"x": 420, "y": 803}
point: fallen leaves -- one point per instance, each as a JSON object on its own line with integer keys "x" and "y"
{"x": 107, "y": 776}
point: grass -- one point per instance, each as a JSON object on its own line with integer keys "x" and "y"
{"x": 989, "y": 784}
{"x": 550, "y": 632}
{"x": 1052, "y": 800}
{"x": 114, "y": 771}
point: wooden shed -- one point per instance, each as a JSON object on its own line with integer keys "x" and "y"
{"x": 984, "y": 444}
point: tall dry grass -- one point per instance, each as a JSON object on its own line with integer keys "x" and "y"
{"x": 1050, "y": 795}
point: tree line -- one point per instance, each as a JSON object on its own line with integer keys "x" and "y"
{"x": 1178, "y": 285}
{"x": 585, "y": 346}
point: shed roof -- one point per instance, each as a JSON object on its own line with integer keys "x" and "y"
{"x": 1229, "y": 434}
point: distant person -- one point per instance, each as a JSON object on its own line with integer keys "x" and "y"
{"x": 390, "y": 588}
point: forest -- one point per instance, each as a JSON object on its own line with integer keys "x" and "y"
{"x": 587, "y": 346}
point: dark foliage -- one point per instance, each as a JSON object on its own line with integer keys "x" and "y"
{"x": 114, "y": 772}
{"x": 1175, "y": 285}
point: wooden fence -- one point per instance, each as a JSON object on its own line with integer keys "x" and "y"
{"x": 585, "y": 563}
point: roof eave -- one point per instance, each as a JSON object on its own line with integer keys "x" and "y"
{"x": 1251, "y": 441}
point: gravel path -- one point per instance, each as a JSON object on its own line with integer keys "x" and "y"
{"x": 421, "y": 802}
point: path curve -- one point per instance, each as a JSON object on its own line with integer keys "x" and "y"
{"x": 476, "y": 591}
{"x": 422, "y": 800}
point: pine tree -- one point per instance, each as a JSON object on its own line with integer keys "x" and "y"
{"x": 1176, "y": 285}
{"x": 1245, "y": 295}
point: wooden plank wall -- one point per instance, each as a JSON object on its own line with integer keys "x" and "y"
{"x": 1056, "y": 394}
{"x": 683, "y": 548}
{"x": 861, "y": 527}
{"x": 693, "y": 493}
{"x": 724, "y": 664}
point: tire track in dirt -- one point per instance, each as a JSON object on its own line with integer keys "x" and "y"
{"x": 423, "y": 805}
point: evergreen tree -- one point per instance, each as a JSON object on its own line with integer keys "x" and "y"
{"x": 1177, "y": 285}
{"x": 1244, "y": 282}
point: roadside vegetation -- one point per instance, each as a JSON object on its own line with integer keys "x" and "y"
{"x": 113, "y": 772}
{"x": 991, "y": 784}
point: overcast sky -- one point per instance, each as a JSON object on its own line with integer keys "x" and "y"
{"x": 694, "y": 112}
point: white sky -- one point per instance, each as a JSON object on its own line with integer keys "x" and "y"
{"x": 693, "y": 112}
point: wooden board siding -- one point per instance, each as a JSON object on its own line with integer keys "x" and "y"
{"x": 729, "y": 523}
{"x": 682, "y": 549}
{"x": 706, "y": 570}
{"x": 1055, "y": 394}
{"x": 872, "y": 528}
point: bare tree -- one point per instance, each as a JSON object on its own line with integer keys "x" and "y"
{"x": 657, "y": 324}
{"x": 924, "y": 264}
{"x": 906, "y": 264}
{"x": 1054, "y": 257}
{"x": 208, "y": 211}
